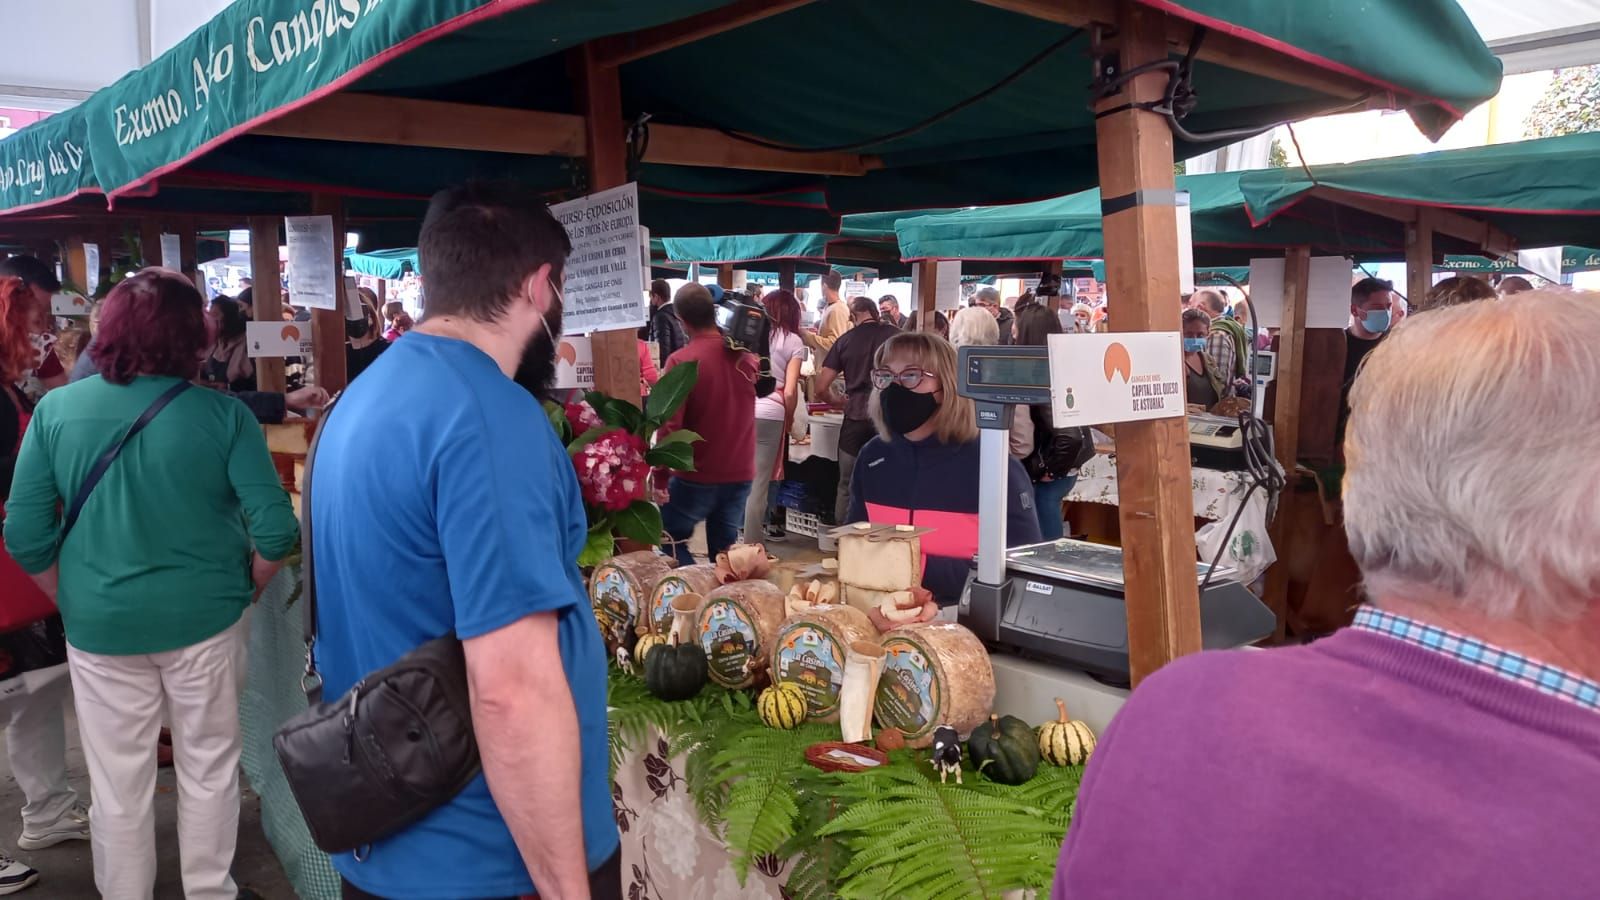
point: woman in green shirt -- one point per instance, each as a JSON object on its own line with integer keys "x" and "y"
{"x": 187, "y": 524}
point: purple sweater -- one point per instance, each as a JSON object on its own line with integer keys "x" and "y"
{"x": 1360, "y": 766}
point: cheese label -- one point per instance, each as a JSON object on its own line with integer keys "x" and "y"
{"x": 908, "y": 691}
{"x": 661, "y": 609}
{"x": 729, "y": 639}
{"x": 1038, "y": 587}
{"x": 810, "y": 657}
{"x": 615, "y": 606}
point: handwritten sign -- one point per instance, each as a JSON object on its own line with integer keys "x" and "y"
{"x": 68, "y": 304}
{"x": 313, "y": 279}
{"x": 278, "y": 339}
{"x": 575, "y": 363}
{"x": 91, "y": 268}
{"x": 171, "y": 251}
{"x": 853, "y": 289}
{"x": 604, "y": 285}
{"x": 1096, "y": 379}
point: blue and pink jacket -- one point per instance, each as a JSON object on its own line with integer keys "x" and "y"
{"x": 935, "y": 485}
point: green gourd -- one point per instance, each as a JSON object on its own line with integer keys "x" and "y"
{"x": 1005, "y": 749}
{"x": 675, "y": 671}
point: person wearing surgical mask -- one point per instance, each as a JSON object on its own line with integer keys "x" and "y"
{"x": 1200, "y": 378}
{"x": 1371, "y": 317}
{"x": 1082, "y": 318}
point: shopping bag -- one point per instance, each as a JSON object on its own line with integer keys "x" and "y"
{"x": 21, "y": 601}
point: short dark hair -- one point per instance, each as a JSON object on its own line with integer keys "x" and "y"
{"x": 154, "y": 324}
{"x": 1514, "y": 284}
{"x": 230, "y": 317}
{"x": 32, "y": 271}
{"x": 660, "y": 288}
{"x": 1366, "y": 287}
{"x": 1196, "y": 314}
{"x": 832, "y": 280}
{"x": 1035, "y": 324}
{"x": 1215, "y": 303}
{"x": 890, "y": 298}
{"x": 480, "y": 241}
{"x": 695, "y": 307}
{"x": 864, "y": 305}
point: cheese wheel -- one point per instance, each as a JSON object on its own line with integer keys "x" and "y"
{"x": 619, "y": 590}
{"x": 886, "y": 562}
{"x": 934, "y": 673}
{"x": 809, "y": 651}
{"x": 697, "y": 579}
{"x": 738, "y": 626}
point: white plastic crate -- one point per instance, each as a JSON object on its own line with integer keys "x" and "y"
{"x": 804, "y": 524}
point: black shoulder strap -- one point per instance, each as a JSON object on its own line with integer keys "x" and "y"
{"x": 311, "y": 682}
{"x": 102, "y": 464}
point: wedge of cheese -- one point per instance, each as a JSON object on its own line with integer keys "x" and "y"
{"x": 288, "y": 438}
{"x": 880, "y": 562}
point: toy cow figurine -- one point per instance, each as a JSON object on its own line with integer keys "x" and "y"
{"x": 624, "y": 660}
{"x": 947, "y": 752}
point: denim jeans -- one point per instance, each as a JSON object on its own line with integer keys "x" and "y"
{"x": 720, "y": 506}
{"x": 1047, "y": 497}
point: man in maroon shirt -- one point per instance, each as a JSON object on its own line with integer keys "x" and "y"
{"x": 721, "y": 409}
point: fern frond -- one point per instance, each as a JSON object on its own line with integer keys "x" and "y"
{"x": 764, "y": 769}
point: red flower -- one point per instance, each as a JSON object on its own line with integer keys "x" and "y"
{"x": 582, "y": 417}
{"x": 612, "y": 470}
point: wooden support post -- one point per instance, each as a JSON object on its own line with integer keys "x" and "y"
{"x": 327, "y": 325}
{"x": 109, "y": 239}
{"x": 927, "y": 290}
{"x": 1156, "y": 503}
{"x": 383, "y": 298}
{"x": 725, "y": 276}
{"x": 266, "y": 296}
{"x": 189, "y": 254}
{"x": 1419, "y": 258}
{"x": 616, "y": 353}
{"x": 786, "y": 275}
{"x": 1286, "y": 421}
{"x": 76, "y": 265}
{"x": 150, "y": 242}
{"x": 1053, "y": 267}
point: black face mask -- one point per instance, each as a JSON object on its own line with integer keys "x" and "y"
{"x": 355, "y": 329}
{"x": 905, "y": 410}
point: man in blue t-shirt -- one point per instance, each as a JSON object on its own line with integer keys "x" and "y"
{"x": 475, "y": 527}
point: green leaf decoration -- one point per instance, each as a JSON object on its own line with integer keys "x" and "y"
{"x": 669, "y": 393}
{"x": 641, "y": 522}
{"x": 681, "y": 436}
{"x": 558, "y": 420}
{"x": 764, "y": 766}
{"x": 585, "y": 439}
{"x": 677, "y": 456}
{"x": 600, "y": 546}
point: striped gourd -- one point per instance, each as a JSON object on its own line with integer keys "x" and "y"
{"x": 648, "y": 640}
{"x": 783, "y": 705}
{"x": 1065, "y": 742}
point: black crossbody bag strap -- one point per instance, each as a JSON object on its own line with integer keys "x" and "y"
{"x": 311, "y": 681}
{"x": 103, "y": 464}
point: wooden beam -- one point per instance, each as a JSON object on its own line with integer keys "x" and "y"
{"x": 786, "y": 275}
{"x": 725, "y": 276}
{"x": 327, "y": 325}
{"x": 626, "y": 48}
{"x": 1419, "y": 258}
{"x": 397, "y": 121}
{"x": 1286, "y": 421}
{"x": 189, "y": 254}
{"x": 266, "y": 295}
{"x": 616, "y": 353}
{"x": 926, "y": 285}
{"x": 1156, "y": 502}
{"x": 150, "y": 241}
{"x": 1491, "y": 240}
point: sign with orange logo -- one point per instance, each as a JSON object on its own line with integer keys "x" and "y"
{"x": 68, "y": 304}
{"x": 276, "y": 339}
{"x": 575, "y": 363}
{"x": 1101, "y": 378}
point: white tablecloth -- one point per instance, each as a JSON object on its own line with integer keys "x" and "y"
{"x": 1217, "y": 496}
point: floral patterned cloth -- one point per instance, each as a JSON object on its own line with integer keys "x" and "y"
{"x": 667, "y": 852}
{"x": 1217, "y": 496}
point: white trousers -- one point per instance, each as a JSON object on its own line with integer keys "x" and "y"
{"x": 119, "y": 703}
{"x": 33, "y": 711}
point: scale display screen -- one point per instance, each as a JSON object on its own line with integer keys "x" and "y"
{"x": 1011, "y": 371}
{"x": 1005, "y": 375}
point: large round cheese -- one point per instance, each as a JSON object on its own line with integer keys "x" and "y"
{"x": 697, "y": 579}
{"x": 810, "y": 650}
{"x": 934, "y": 673}
{"x": 619, "y": 589}
{"x": 738, "y": 626}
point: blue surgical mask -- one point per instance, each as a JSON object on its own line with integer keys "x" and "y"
{"x": 1194, "y": 345}
{"x": 1376, "y": 321}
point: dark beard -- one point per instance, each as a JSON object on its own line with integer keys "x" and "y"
{"x": 537, "y": 371}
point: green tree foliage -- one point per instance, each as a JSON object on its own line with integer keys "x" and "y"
{"x": 1277, "y": 157}
{"x": 1570, "y": 105}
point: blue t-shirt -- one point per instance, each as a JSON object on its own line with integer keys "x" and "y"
{"x": 444, "y": 500}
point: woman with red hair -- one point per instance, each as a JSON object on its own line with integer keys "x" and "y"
{"x": 33, "y": 658}
{"x": 186, "y": 525}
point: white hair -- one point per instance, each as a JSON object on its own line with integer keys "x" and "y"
{"x": 974, "y": 326}
{"x": 1472, "y": 464}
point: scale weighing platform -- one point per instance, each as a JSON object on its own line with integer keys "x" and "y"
{"x": 1062, "y": 601}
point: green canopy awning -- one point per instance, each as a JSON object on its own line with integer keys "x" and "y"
{"x": 390, "y": 264}
{"x": 191, "y": 111}
{"x": 1573, "y": 259}
{"x": 1070, "y": 228}
{"x": 1543, "y": 193}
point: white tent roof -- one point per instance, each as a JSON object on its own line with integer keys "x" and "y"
{"x": 1533, "y": 35}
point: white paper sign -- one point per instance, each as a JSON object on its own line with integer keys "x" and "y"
{"x": 68, "y": 304}
{"x": 171, "y": 251}
{"x": 604, "y": 286}
{"x": 313, "y": 280}
{"x": 276, "y": 339}
{"x": 1124, "y": 377}
{"x": 1544, "y": 262}
{"x": 1328, "y": 305}
{"x": 852, "y": 289}
{"x": 947, "y": 285}
{"x": 1185, "y": 245}
{"x": 91, "y": 268}
{"x": 575, "y": 363}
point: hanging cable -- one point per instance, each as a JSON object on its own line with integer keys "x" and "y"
{"x": 924, "y": 124}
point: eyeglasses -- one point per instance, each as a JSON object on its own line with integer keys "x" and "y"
{"x": 908, "y": 378}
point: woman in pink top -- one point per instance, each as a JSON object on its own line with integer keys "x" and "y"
{"x": 774, "y": 411}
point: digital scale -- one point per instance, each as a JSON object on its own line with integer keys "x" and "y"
{"x": 1062, "y": 601}
{"x": 1216, "y": 442}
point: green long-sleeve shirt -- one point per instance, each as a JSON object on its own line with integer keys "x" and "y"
{"x": 160, "y": 556}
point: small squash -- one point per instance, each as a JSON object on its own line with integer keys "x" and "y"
{"x": 1065, "y": 742}
{"x": 783, "y": 705}
{"x": 675, "y": 671}
{"x": 648, "y": 640}
{"x": 1005, "y": 750}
